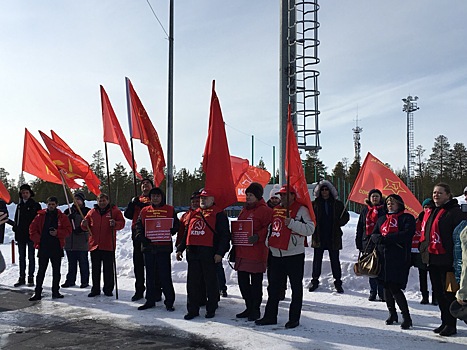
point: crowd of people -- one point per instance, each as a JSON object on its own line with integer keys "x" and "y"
{"x": 266, "y": 237}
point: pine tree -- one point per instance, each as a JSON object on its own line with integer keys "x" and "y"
{"x": 315, "y": 170}
{"x": 439, "y": 159}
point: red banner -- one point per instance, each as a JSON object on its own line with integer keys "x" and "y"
{"x": 4, "y": 194}
{"x": 241, "y": 230}
{"x": 158, "y": 229}
{"x": 216, "y": 158}
{"x": 71, "y": 164}
{"x": 141, "y": 128}
{"x": 294, "y": 170}
{"x": 113, "y": 132}
{"x": 375, "y": 174}
{"x": 37, "y": 162}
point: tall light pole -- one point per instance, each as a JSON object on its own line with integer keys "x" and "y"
{"x": 410, "y": 106}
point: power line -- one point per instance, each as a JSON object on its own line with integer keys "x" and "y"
{"x": 244, "y": 133}
{"x": 154, "y": 13}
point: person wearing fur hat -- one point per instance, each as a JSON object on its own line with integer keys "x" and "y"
{"x": 77, "y": 244}
{"x": 274, "y": 198}
{"x": 331, "y": 215}
{"x": 393, "y": 238}
{"x": 132, "y": 212}
{"x": 251, "y": 258}
{"x": 25, "y": 213}
{"x": 366, "y": 223}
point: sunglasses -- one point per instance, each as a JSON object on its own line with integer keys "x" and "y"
{"x": 325, "y": 189}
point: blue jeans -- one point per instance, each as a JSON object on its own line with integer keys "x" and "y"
{"x": 76, "y": 258}
{"x": 22, "y": 259}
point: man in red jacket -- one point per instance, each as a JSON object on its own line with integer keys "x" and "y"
{"x": 103, "y": 220}
{"x": 48, "y": 231}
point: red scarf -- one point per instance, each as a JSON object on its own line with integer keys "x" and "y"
{"x": 371, "y": 218}
{"x": 391, "y": 224}
{"x": 436, "y": 245}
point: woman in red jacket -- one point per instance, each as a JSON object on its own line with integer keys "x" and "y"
{"x": 102, "y": 222}
{"x": 251, "y": 255}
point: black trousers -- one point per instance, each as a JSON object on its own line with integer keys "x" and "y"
{"x": 106, "y": 259}
{"x": 56, "y": 262}
{"x": 200, "y": 271}
{"x": 281, "y": 268}
{"x": 438, "y": 280}
{"x": 251, "y": 287}
{"x": 158, "y": 264}
{"x": 318, "y": 262}
{"x": 138, "y": 268}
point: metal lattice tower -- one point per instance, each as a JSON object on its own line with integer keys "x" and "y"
{"x": 303, "y": 77}
{"x": 356, "y": 141}
{"x": 410, "y": 106}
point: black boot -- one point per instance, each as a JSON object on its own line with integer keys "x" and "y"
{"x": 425, "y": 299}
{"x": 255, "y": 312}
{"x": 244, "y": 314}
{"x": 392, "y": 317}
{"x": 401, "y": 301}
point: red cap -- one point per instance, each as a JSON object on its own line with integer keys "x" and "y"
{"x": 285, "y": 188}
{"x": 206, "y": 193}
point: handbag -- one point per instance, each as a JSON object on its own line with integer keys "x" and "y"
{"x": 367, "y": 264}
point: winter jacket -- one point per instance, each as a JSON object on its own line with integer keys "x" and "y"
{"x": 302, "y": 226}
{"x": 328, "y": 233}
{"x": 133, "y": 210}
{"x": 221, "y": 240}
{"x": 394, "y": 249}
{"x": 257, "y": 254}
{"x": 458, "y": 249}
{"x": 25, "y": 213}
{"x": 447, "y": 223}
{"x": 79, "y": 238}
{"x": 184, "y": 220}
{"x": 146, "y": 245}
{"x": 462, "y": 292}
{"x": 103, "y": 237}
{"x": 361, "y": 239}
{"x": 4, "y": 209}
{"x": 39, "y": 228}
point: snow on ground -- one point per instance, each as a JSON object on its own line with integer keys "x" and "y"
{"x": 329, "y": 320}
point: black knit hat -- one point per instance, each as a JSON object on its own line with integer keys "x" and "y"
{"x": 374, "y": 190}
{"x": 148, "y": 179}
{"x": 195, "y": 194}
{"x": 80, "y": 195}
{"x": 26, "y": 187}
{"x": 256, "y": 190}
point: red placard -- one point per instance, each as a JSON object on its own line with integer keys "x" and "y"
{"x": 158, "y": 229}
{"x": 241, "y": 230}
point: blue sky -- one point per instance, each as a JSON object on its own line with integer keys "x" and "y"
{"x": 55, "y": 54}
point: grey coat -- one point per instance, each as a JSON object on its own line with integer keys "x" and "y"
{"x": 79, "y": 239}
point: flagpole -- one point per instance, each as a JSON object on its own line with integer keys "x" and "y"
{"x": 128, "y": 108}
{"x": 66, "y": 197}
{"x": 111, "y": 218}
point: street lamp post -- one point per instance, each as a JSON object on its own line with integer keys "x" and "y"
{"x": 410, "y": 106}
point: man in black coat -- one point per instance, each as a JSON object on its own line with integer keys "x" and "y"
{"x": 25, "y": 212}
{"x": 3, "y": 209}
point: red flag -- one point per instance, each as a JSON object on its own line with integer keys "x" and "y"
{"x": 294, "y": 170}
{"x": 4, "y": 194}
{"x": 142, "y": 128}
{"x": 216, "y": 158}
{"x": 374, "y": 174}
{"x": 37, "y": 162}
{"x": 239, "y": 166}
{"x": 113, "y": 132}
{"x": 70, "y": 163}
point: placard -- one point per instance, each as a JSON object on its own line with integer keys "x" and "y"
{"x": 158, "y": 229}
{"x": 241, "y": 230}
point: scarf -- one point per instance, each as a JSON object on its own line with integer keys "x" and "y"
{"x": 371, "y": 218}
{"x": 391, "y": 224}
{"x": 436, "y": 245}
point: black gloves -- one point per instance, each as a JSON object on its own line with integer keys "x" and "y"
{"x": 135, "y": 200}
{"x": 146, "y": 242}
{"x": 253, "y": 239}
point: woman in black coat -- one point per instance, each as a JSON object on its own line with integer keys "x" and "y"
{"x": 393, "y": 237}
{"x": 437, "y": 250}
